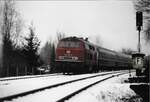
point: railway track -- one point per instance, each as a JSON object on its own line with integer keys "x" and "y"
{"x": 67, "y": 97}
{"x": 64, "y": 86}
{"x": 27, "y": 77}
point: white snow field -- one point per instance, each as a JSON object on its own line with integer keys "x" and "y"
{"x": 54, "y": 94}
{"x": 12, "y": 87}
{"x": 112, "y": 90}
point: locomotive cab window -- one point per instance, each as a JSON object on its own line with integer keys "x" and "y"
{"x": 69, "y": 44}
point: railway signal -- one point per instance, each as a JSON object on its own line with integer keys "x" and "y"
{"x": 139, "y": 19}
{"x": 138, "y": 58}
{"x": 139, "y": 24}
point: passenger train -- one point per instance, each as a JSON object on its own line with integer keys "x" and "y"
{"x": 78, "y": 55}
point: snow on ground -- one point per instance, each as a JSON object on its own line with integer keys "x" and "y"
{"x": 112, "y": 90}
{"x": 26, "y": 76}
{"x": 19, "y": 86}
{"x": 52, "y": 95}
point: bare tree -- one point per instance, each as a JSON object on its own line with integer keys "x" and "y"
{"x": 127, "y": 51}
{"x": 0, "y": 36}
{"x": 60, "y": 35}
{"x": 147, "y": 32}
{"x": 144, "y": 6}
{"x": 6, "y": 28}
{"x": 10, "y": 23}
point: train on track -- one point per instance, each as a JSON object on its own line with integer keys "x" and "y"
{"x": 78, "y": 55}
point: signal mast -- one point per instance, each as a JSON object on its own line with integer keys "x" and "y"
{"x": 138, "y": 58}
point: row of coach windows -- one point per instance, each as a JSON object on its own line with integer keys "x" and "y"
{"x": 91, "y": 56}
{"x": 69, "y": 44}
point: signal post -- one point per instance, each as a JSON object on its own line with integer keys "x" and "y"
{"x": 142, "y": 88}
{"x": 138, "y": 58}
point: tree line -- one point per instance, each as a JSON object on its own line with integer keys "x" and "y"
{"x": 19, "y": 54}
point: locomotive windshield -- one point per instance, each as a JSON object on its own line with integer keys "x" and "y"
{"x": 69, "y": 44}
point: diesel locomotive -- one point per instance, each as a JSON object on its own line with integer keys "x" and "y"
{"x": 78, "y": 55}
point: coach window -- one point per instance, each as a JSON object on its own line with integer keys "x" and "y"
{"x": 95, "y": 56}
{"x": 91, "y": 47}
{"x": 90, "y": 56}
{"x": 94, "y": 48}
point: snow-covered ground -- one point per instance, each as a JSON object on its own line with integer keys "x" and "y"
{"x": 112, "y": 90}
{"x": 12, "y": 87}
{"x": 26, "y": 76}
{"x": 54, "y": 94}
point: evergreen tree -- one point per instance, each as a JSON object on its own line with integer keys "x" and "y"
{"x": 45, "y": 53}
{"x": 31, "y": 50}
{"x": 52, "y": 58}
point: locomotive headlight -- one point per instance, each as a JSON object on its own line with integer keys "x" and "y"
{"x": 75, "y": 58}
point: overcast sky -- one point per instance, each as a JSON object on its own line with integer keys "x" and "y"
{"x": 112, "y": 22}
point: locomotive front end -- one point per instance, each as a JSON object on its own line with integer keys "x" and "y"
{"x": 70, "y": 55}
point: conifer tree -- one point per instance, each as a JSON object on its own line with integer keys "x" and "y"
{"x": 52, "y": 58}
{"x": 31, "y": 50}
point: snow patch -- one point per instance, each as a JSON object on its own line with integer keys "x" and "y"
{"x": 112, "y": 90}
